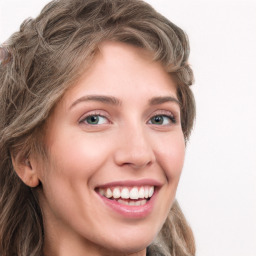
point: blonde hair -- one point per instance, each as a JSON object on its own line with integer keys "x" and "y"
{"x": 48, "y": 55}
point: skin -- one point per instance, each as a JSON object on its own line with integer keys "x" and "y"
{"x": 126, "y": 145}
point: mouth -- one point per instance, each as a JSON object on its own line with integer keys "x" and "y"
{"x": 125, "y": 195}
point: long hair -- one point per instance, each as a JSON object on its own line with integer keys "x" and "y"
{"x": 48, "y": 55}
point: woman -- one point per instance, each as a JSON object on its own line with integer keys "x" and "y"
{"x": 95, "y": 112}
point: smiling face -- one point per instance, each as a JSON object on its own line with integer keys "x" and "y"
{"x": 116, "y": 152}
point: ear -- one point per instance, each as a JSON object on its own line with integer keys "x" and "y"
{"x": 26, "y": 170}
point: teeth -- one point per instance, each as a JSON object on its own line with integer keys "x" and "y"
{"x": 122, "y": 202}
{"x": 142, "y": 202}
{"x": 137, "y": 203}
{"x": 101, "y": 191}
{"x": 125, "y": 193}
{"x": 134, "y": 193}
{"x": 141, "y": 193}
{"x": 151, "y": 191}
{"x": 132, "y": 203}
{"x": 146, "y": 193}
{"x": 108, "y": 193}
{"x": 116, "y": 193}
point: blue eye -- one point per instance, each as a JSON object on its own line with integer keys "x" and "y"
{"x": 162, "y": 120}
{"x": 95, "y": 120}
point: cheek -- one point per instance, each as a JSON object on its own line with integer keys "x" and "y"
{"x": 78, "y": 158}
{"x": 72, "y": 163}
{"x": 171, "y": 155}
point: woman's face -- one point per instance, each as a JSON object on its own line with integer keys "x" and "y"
{"x": 116, "y": 152}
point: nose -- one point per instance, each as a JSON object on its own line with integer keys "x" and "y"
{"x": 134, "y": 149}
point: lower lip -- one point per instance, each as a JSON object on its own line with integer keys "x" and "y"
{"x": 131, "y": 211}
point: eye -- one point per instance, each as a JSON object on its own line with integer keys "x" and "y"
{"x": 162, "y": 120}
{"x": 94, "y": 120}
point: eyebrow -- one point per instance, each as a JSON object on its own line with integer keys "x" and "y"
{"x": 115, "y": 101}
{"x": 163, "y": 99}
{"x": 100, "y": 98}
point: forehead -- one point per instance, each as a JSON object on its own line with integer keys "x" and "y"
{"x": 122, "y": 70}
{"x": 118, "y": 65}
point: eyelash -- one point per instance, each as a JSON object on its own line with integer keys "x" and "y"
{"x": 171, "y": 118}
{"x": 164, "y": 114}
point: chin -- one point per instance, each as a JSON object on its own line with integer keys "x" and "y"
{"x": 126, "y": 248}
{"x": 132, "y": 242}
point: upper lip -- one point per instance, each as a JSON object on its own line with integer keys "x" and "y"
{"x": 131, "y": 183}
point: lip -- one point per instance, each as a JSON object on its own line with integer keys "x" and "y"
{"x": 131, "y": 183}
{"x": 128, "y": 211}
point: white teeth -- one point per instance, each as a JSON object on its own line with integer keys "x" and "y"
{"x": 134, "y": 193}
{"x": 108, "y": 193}
{"x": 116, "y": 193}
{"x": 125, "y": 193}
{"x": 146, "y": 193}
{"x": 141, "y": 193}
{"x": 151, "y": 191}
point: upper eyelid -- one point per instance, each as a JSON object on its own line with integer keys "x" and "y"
{"x": 163, "y": 112}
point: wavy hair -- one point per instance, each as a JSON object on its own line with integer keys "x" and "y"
{"x": 48, "y": 55}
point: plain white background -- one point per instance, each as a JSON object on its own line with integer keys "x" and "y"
{"x": 218, "y": 186}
